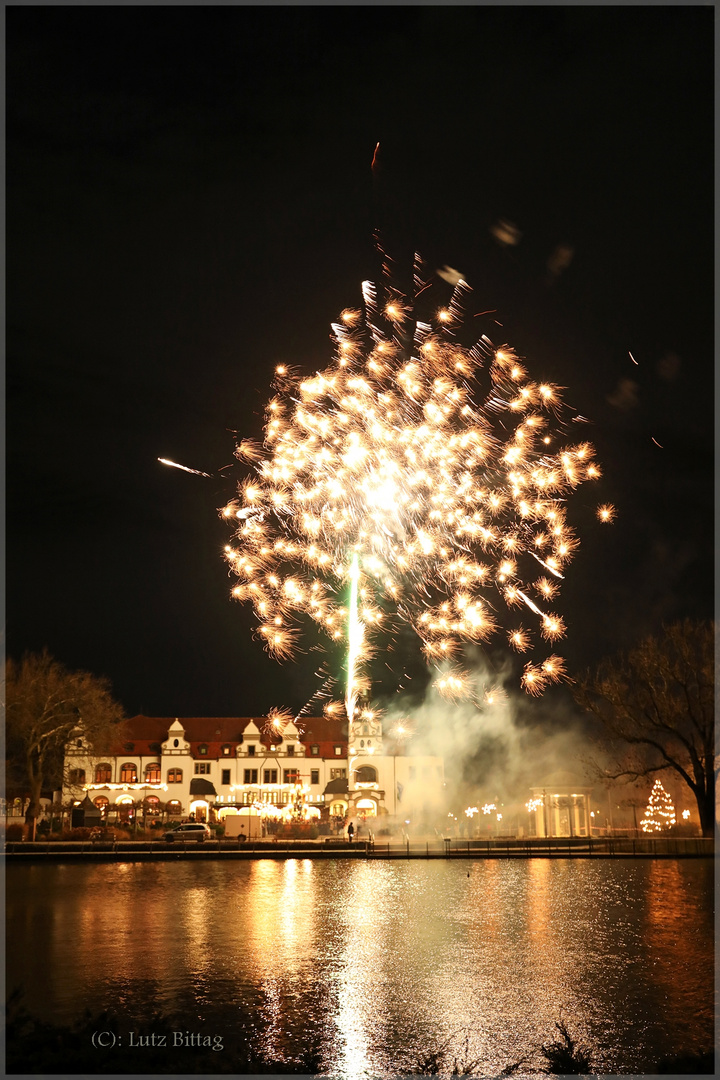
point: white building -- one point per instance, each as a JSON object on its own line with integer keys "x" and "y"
{"x": 190, "y": 767}
{"x": 561, "y": 806}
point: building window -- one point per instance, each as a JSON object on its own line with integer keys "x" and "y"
{"x": 269, "y": 776}
{"x": 251, "y": 750}
{"x": 128, "y": 773}
{"x": 225, "y": 776}
{"x": 315, "y": 749}
{"x": 202, "y": 768}
{"x": 291, "y": 749}
{"x": 250, "y": 776}
{"x": 366, "y": 774}
{"x": 338, "y": 751}
{"x": 202, "y": 749}
{"x": 338, "y": 774}
{"x": 226, "y": 750}
{"x": 152, "y": 773}
{"x": 152, "y": 805}
{"x": 174, "y": 807}
{"x": 102, "y": 803}
{"x": 176, "y": 742}
{"x": 76, "y": 776}
{"x": 174, "y": 776}
{"x": 103, "y": 773}
{"x": 291, "y": 776}
{"x": 314, "y": 776}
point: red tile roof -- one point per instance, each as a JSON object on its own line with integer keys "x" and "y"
{"x": 146, "y": 733}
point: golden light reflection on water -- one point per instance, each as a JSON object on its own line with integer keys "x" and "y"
{"x": 375, "y": 961}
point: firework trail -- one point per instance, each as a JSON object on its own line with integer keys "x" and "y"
{"x": 174, "y": 465}
{"x": 426, "y": 481}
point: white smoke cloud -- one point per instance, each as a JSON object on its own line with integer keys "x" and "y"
{"x": 500, "y": 750}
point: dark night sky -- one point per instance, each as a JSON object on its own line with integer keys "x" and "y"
{"x": 190, "y": 202}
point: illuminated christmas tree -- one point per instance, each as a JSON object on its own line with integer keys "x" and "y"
{"x": 660, "y": 812}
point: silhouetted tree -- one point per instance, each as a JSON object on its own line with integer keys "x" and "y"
{"x": 656, "y": 708}
{"x": 46, "y": 705}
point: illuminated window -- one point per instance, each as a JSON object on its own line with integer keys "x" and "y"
{"x": 152, "y": 773}
{"x": 291, "y": 776}
{"x": 314, "y": 776}
{"x": 227, "y": 750}
{"x": 174, "y": 806}
{"x": 202, "y": 768}
{"x": 250, "y": 776}
{"x": 128, "y": 773}
{"x": 103, "y": 773}
{"x": 338, "y": 751}
{"x": 152, "y": 805}
{"x": 174, "y": 776}
{"x": 102, "y": 803}
{"x": 315, "y": 749}
{"x": 269, "y": 776}
{"x": 202, "y": 749}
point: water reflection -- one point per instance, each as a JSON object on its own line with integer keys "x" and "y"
{"x": 369, "y": 963}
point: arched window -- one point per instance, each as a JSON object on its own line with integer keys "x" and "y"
{"x": 152, "y": 773}
{"x": 366, "y": 774}
{"x": 76, "y": 776}
{"x": 174, "y": 808}
{"x": 102, "y": 803}
{"x": 128, "y": 773}
{"x": 103, "y": 773}
{"x": 174, "y": 776}
{"x": 152, "y": 805}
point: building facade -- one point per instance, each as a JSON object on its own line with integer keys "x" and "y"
{"x": 198, "y": 767}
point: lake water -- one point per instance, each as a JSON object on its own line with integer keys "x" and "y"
{"x": 375, "y": 961}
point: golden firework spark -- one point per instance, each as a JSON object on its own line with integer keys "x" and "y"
{"x": 421, "y": 467}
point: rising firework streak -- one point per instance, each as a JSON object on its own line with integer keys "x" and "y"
{"x": 174, "y": 465}
{"x": 409, "y": 482}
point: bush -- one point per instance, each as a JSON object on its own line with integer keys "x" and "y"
{"x": 114, "y": 833}
{"x": 564, "y": 1056}
{"x": 78, "y": 833}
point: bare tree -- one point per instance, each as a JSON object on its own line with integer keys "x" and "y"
{"x": 656, "y": 709}
{"x": 46, "y": 705}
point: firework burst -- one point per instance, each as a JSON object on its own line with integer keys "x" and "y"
{"x": 422, "y": 478}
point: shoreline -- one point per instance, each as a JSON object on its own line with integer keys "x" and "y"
{"x": 158, "y": 850}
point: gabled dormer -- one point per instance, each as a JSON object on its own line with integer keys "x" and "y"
{"x": 176, "y": 743}
{"x": 291, "y": 745}
{"x": 250, "y": 746}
